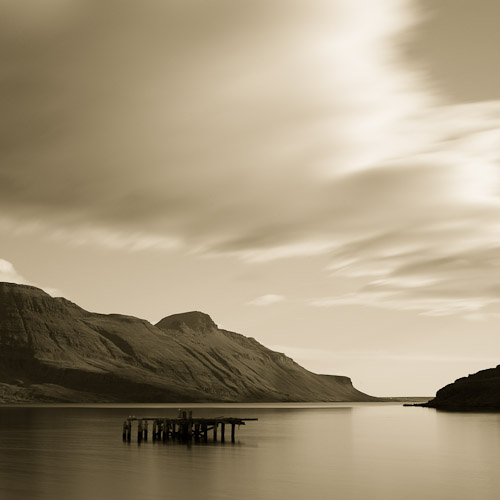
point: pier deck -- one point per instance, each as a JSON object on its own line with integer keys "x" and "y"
{"x": 182, "y": 428}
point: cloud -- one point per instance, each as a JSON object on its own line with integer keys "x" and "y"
{"x": 177, "y": 121}
{"x": 175, "y": 127}
{"x": 114, "y": 240}
{"x": 266, "y": 300}
{"x": 429, "y": 304}
{"x": 9, "y": 274}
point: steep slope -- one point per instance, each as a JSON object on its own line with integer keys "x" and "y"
{"x": 53, "y": 341}
{"x": 242, "y": 366}
{"x": 53, "y": 350}
{"x": 478, "y": 391}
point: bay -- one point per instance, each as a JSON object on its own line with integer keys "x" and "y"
{"x": 294, "y": 451}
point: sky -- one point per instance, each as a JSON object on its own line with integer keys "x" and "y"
{"x": 322, "y": 176}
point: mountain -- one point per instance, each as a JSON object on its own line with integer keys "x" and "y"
{"x": 480, "y": 391}
{"x": 53, "y": 350}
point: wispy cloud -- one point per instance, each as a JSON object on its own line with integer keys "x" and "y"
{"x": 115, "y": 239}
{"x": 431, "y": 305}
{"x": 266, "y": 300}
{"x": 306, "y": 354}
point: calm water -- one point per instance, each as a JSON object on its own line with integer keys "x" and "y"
{"x": 341, "y": 451}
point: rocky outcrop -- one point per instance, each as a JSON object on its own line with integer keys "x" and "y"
{"x": 53, "y": 350}
{"x": 480, "y": 391}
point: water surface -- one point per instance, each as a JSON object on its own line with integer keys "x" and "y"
{"x": 337, "y": 451}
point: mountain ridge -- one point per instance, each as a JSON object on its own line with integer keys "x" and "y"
{"x": 53, "y": 350}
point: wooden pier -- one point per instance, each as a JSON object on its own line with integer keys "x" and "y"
{"x": 182, "y": 428}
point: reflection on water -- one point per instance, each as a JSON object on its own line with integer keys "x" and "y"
{"x": 341, "y": 451}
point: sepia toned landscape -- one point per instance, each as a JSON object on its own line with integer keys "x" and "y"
{"x": 249, "y": 249}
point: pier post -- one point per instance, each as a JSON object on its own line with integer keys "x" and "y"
{"x": 139, "y": 431}
{"x": 205, "y": 432}
{"x": 129, "y": 430}
{"x": 222, "y": 431}
{"x": 165, "y": 430}
{"x": 232, "y": 432}
{"x": 215, "y": 431}
{"x": 145, "y": 430}
{"x": 190, "y": 425}
{"x": 125, "y": 427}
{"x": 196, "y": 432}
{"x": 154, "y": 430}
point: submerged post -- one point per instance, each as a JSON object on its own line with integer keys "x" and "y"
{"x": 222, "y": 431}
{"x": 232, "y": 432}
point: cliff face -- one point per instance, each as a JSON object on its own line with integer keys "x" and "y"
{"x": 478, "y": 391}
{"x": 53, "y": 350}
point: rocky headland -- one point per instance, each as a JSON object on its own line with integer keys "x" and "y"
{"x": 479, "y": 391}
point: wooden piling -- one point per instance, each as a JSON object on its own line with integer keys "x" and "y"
{"x": 145, "y": 430}
{"x": 215, "y": 431}
{"x": 139, "y": 431}
{"x": 125, "y": 427}
{"x": 222, "y": 432}
{"x": 232, "y": 432}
